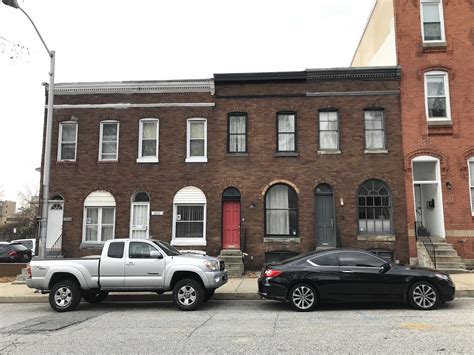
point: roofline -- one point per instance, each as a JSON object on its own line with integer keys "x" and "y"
{"x": 260, "y": 77}
{"x": 365, "y": 30}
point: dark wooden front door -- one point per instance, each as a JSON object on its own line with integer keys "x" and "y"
{"x": 231, "y": 225}
{"x": 325, "y": 221}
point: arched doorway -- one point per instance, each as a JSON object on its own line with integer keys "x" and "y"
{"x": 231, "y": 218}
{"x": 140, "y": 216}
{"x": 55, "y": 220}
{"x": 325, "y": 217}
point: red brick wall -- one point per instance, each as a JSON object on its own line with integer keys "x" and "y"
{"x": 453, "y": 145}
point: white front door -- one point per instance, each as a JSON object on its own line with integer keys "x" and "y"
{"x": 55, "y": 222}
{"x": 139, "y": 224}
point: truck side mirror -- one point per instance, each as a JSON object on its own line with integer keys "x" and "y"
{"x": 155, "y": 255}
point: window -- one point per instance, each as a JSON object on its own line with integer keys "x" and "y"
{"x": 471, "y": 182}
{"x": 432, "y": 27}
{"x": 328, "y": 131}
{"x": 99, "y": 217}
{"x": 67, "y": 141}
{"x": 237, "y": 127}
{"x": 325, "y": 260}
{"x": 197, "y": 140}
{"x": 148, "y": 141}
{"x": 359, "y": 259}
{"x": 375, "y": 208}
{"x": 116, "y": 250}
{"x": 374, "y": 130}
{"x": 437, "y": 96}
{"x": 140, "y": 216}
{"x": 109, "y": 137}
{"x": 137, "y": 250}
{"x": 189, "y": 217}
{"x": 281, "y": 211}
{"x": 286, "y": 132}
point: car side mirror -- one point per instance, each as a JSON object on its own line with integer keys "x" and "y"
{"x": 154, "y": 254}
{"x": 384, "y": 268}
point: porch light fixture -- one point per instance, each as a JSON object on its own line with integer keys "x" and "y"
{"x": 47, "y": 149}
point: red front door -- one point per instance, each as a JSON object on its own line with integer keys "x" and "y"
{"x": 231, "y": 225}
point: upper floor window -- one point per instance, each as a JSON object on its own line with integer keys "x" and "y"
{"x": 281, "y": 211}
{"x": 237, "y": 127}
{"x": 67, "y": 141}
{"x": 109, "y": 140}
{"x": 328, "y": 131}
{"x": 437, "y": 96}
{"x": 471, "y": 182}
{"x": 432, "y": 23}
{"x": 286, "y": 132}
{"x": 196, "y": 140}
{"x": 148, "y": 141}
{"x": 374, "y": 130}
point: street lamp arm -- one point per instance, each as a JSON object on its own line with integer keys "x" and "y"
{"x": 39, "y": 34}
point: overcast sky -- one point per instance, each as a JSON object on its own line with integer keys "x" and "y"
{"x": 115, "y": 40}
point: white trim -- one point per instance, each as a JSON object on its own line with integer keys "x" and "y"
{"x": 441, "y": 19}
{"x": 99, "y": 223}
{"x": 100, "y": 139}
{"x": 148, "y": 159}
{"x": 195, "y": 159}
{"x": 129, "y": 105}
{"x": 132, "y": 207}
{"x": 445, "y": 76}
{"x": 60, "y": 138}
{"x": 471, "y": 187}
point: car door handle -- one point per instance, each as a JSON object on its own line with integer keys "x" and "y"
{"x": 129, "y": 264}
{"x": 348, "y": 271}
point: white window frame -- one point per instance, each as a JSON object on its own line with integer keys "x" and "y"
{"x": 60, "y": 140}
{"x": 189, "y": 241}
{"x": 189, "y": 158}
{"x": 441, "y": 18}
{"x": 99, "y": 224}
{"x": 134, "y": 204}
{"x": 101, "y": 136}
{"x": 148, "y": 159}
{"x": 384, "y": 134}
{"x": 446, "y": 91}
{"x": 471, "y": 186}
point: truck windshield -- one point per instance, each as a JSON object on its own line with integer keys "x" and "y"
{"x": 167, "y": 248}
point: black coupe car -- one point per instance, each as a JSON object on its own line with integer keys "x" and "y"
{"x": 14, "y": 253}
{"x": 347, "y": 275}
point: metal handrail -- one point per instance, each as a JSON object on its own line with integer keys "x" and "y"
{"x": 423, "y": 234}
{"x": 56, "y": 249}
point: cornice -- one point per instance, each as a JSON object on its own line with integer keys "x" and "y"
{"x": 133, "y": 87}
{"x": 362, "y": 73}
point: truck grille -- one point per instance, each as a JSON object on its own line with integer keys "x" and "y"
{"x": 221, "y": 265}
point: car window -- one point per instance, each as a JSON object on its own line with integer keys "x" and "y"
{"x": 3, "y": 249}
{"x": 325, "y": 260}
{"x": 139, "y": 250}
{"x": 359, "y": 259}
{"x": 116, "y": 250}
{"x": 18, "y": 247}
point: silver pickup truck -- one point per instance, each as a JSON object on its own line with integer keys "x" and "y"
{"x": 128, "y": 265}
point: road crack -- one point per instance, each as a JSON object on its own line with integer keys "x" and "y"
{"x": 201, "y": 325}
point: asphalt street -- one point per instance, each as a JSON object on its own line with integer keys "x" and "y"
{"x": 236, "y": 327}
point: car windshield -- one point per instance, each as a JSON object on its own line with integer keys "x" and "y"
{"x": 167, "y": 248}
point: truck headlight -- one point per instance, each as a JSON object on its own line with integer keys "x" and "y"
{"x": 212, "y": 265}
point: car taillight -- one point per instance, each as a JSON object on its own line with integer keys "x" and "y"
{"x": 28, "y": 271}
{"x": 13, "y": 253}
{"x": 270, "y": 273}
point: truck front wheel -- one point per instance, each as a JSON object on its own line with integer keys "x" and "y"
{"x": 188, "y": 294}
{"x": 65, "y": 296}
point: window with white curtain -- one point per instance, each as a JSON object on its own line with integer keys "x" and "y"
{"x": 432, "y": 27}
{"x": 148, "y": 141}
{"x": 281, "y": 211}
{"x": 437, "y": 96}
{"x": 99, "y": 217}
{"x": 197, "y": 140}
{"x": 140, "y": 216}
{"x": 237, "y": 140}
{"x": 286, "y": 132}
{"x": 374, "y": 130}
{"x": 328, "y": 131}
{"x": 374, "y": 203}
{"x": 67, "y": 141}
{"x": 471, "y": 182}
{"x": 109, "y": 140}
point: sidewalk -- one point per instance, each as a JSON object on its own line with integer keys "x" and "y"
{"x": 244, "y": 288}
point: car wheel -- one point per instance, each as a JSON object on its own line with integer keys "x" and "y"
{"x": 95, "y": 297}
{"x": 188, "y": 294}
{"x": 423, "y": 295}
{"x": 208, "y": 294}
{"x": 303, "y": 298}
{"x": 65, "y": 296}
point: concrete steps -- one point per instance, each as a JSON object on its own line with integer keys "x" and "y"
{"x": 234, "y": 263}
{"x": 447, "y": 258}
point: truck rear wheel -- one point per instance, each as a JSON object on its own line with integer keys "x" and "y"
{"x": 188, "y": 294}
{"x": 65, "y": 296}
{"x": 96, "y": 297}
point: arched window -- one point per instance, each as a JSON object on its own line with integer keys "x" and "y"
{"x": 189, "y": 217}
{"x": 140, "y": 216}
{"x": 281, "y": 211}
{"x": 374, "y": 202}
{"x": 99, "y": 217}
